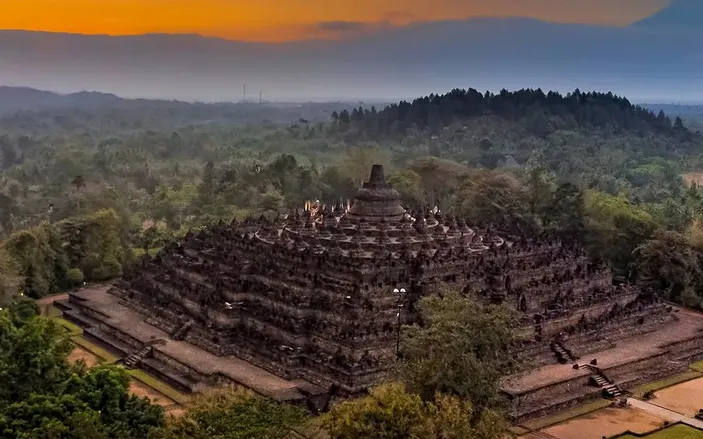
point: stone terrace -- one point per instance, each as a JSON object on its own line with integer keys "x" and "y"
{"x": 123, "y": 327}
{"x": 633, "y": 360}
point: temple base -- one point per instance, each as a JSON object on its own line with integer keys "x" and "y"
{"x": 666, "y": 350}
{"x": 125, "y": 332}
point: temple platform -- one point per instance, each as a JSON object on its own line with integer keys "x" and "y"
{"x": 125, "y": 332}
{"x": 634, "y": 360}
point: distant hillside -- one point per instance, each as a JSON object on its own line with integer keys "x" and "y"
{"x": 677, "y": 109}
{"x": 653, "y": 63}
{"x": 691, "y": 114}
{"x": 14, "y": 99}
{"x": 81, "y": 110}
{"x": 542, "y": 112}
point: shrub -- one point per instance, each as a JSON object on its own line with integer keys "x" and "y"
{"x": 75, "y": 277}
{"x": 109, "y": 269}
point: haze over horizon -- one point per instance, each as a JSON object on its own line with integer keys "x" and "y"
{"x": 641, "y": 49}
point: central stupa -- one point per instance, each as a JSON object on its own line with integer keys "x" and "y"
{"x": 377, "y": 201}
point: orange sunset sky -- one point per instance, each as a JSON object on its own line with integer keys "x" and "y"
{"x": 281, "y": 20}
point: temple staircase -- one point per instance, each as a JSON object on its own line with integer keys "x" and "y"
{"x": 136, "y": 357}
{"x": 563, "y": 354}
{"x": 610, "y": 390}
{"x": 180, "y": 332}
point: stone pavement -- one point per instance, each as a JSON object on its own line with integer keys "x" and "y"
{"x": 664, "y": 413}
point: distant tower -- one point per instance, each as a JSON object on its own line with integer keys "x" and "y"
{"x": 244, "y": 94}
{"x": 261, "y": 98}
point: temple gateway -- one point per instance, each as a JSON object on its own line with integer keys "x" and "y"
{"x": 311, "y": 304}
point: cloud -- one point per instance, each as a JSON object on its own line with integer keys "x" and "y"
{"x": 399, "y": 17}
{"x": 342, "y": 26}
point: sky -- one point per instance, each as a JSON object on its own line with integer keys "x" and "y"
{"x": 287, "y": 20}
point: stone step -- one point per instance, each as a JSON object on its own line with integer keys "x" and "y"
{"x": 137, "y": 357}
{"x": 181, "y": 331}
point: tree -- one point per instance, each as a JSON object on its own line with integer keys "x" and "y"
{"x": 678, "y": 124}
{"x": 22, "y": 310}
{"x": 439, "y": 179}
{"x": 43, "y": 396}
{"x": 461, "y": 349}
{"x": 493, "y": 197}
{"x": 207, "y": 186}
{"x": 670, "y": 264}
{"x": 615, "y": 227}
{"x": 540, "y": 194}
{"x": 79, "y": 182}
{"x": 10, "y": 279}
{"x": 51, "y": 417}
{"x": 359, "y": 160}
{"x": 105, "y": 390}
{"x": 564, "y": 213}
{"x": 391, "y": 412}
{"x": 271, "y": 203}
{"x": 409, "y": 184}
{"x": 32, "y": 357}
{"x": 35, "y": 258}
{"x": 233, "y": 413}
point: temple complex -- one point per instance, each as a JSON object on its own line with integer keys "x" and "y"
{"x": 312, "y": 304}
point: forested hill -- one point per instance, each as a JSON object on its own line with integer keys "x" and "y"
{"x": 543, "y": 113}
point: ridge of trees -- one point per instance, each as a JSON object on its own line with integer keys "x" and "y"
{"x": 545, "y": 111}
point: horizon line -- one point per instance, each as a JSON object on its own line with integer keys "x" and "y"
{"x": 316, "y": 39}
{"x": 348, "y": 100}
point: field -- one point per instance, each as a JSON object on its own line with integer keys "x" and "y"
{"x": 685, "y": 398}
{"x": 605, "y": 422}
{"x": 678, "y": 431}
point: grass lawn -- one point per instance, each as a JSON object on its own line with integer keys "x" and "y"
{"x": 667, "y": 382}
{"x": 678, "y": 431}
{"x": 104, "y": 356}
{"x": 159, "y": 386}
{"x": 52, "y": 311}
{"x": 557, "y": 418}
{"x": 71, "y": 328}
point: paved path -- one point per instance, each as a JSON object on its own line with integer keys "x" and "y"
{"x": 664, "y": 413}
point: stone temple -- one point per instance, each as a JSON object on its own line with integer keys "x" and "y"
{"x": 310, "y": 305}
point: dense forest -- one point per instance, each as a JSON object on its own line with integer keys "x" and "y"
{"x": 82, "y": 193}
{"x": 85, "y": 192}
